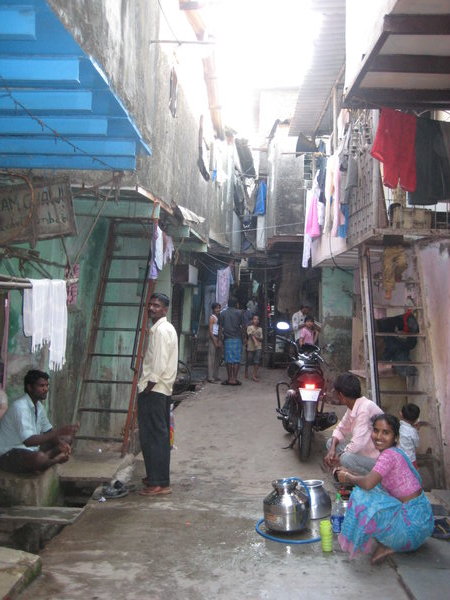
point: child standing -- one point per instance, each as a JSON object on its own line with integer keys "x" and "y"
{"x": 308, "y": 333}
{"x": 409, "y": 436}
{"x": 254, "y": 346}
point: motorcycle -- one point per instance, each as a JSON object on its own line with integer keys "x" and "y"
{"x": 302, "y": 411}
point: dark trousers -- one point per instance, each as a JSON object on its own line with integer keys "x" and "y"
{"x": 154, "y": 436}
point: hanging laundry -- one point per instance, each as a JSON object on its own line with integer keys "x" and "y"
{"x": 321, "y": 166}
{"x": 203, "y": 153}
{"x": 332, "y": 165}
{"x": 394, "y": 146}
{"x": 260, "y": 204}
{"x": 351, "y": 181}
{"x": 338, "y": 217}
{"x": 312, "y": 228}
{"x": 153, "y": 269}
{"x": 168, "y": 248}
{"x": 159, "y": 248}
{"x": 224, "y": 280}
{"x": 342, "y": 229}
{"x": 432, "y": 163}
{"x": 45, "y": 318}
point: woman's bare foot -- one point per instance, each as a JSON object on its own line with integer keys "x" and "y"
{"x": 255, "y": 378}
{"x": 380, "y": 554}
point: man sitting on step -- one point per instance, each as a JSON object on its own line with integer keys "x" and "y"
{"x": 28, "y": 443}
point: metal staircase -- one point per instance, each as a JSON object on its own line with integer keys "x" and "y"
{"x": 103, "y": 400}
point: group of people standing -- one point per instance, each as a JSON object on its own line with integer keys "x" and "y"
{"x": 230, "y": 331}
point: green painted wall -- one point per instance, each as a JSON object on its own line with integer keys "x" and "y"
{"x": 64, "y": 383}
{"x": 337, "y": 309}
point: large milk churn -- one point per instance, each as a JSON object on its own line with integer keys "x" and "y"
{"x": 287, "y": 507}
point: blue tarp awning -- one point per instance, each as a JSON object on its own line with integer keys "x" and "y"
{"x": 57, "y": 109}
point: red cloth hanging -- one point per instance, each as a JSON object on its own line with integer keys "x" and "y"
{"x": 394, "y": 146}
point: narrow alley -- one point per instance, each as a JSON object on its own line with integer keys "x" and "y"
{"x": 200, "y": 542}
{"x": 185, "y": 186}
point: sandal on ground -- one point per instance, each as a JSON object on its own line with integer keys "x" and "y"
{"x": 110, "y": 492}
{"x": 155, "y": 491}
{"x": 441, "y": 529}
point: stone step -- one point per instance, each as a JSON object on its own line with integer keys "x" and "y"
{"x": 17, "y": 571}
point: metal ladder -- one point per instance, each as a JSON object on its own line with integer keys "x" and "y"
{"x": 368, "y": 306}
{"x": 114, "y": 333}
{"x": 373, "y": 362}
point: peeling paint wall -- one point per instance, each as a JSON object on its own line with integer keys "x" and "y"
{"x": 64, "y": 383}
{"x": 286, "y": 196}
{"x": 122, "y": 36}
{"x": 434, "y": 265}
{"x": 337, "y": 307}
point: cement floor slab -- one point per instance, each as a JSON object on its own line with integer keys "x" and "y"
{"x": 17, "y": 570}
{"x": 93, "y": 468}
{"x": 60, "y": 515}
{"x": 434, "y": 553}
{"x": 424, "y": 583}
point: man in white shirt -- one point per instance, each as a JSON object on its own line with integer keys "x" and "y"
{"x": 28, "y": 442}
{"x": 159, "y": 371}
{"x": 359, "y": 454}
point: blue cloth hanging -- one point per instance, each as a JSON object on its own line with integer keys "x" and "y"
{"x": 260, "y": 204}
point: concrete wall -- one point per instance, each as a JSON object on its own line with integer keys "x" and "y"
{"x": 64, "y": 383}
{"x": 337, "y": 307}
{"x": 118, "y": 34}
{"x": 286, "y": 197}
{"x": 433, "y": 263}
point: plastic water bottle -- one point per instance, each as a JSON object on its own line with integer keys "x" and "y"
{"x": 337, "y": 515}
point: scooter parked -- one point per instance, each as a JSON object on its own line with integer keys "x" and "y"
{"x": 302, "y": 411}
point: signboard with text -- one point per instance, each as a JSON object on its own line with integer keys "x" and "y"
{"x": 50, "y": 215}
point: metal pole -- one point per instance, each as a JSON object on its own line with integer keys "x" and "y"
{"x": 369, "y": 322}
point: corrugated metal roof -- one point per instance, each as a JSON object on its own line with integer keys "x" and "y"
{"x": 327, "y": 63}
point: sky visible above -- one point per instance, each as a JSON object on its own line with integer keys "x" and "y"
{"x": 259, "y": 44}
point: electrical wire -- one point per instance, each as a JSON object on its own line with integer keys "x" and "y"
{"x": 168, "y": 23}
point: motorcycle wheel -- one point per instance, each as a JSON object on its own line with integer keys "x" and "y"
{"x": 289, "y": 423}
{"x": 304, "y": 442}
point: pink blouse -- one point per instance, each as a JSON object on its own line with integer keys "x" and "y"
{"x": 397, "y": 477}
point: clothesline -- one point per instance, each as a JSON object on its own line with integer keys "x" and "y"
{"x": 18, "y": 283}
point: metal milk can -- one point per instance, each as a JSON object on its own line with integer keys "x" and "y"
{"x": 287, "y": 507}
{"x": 320, "y": 499}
